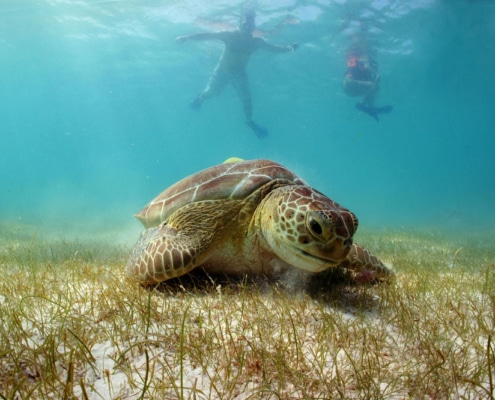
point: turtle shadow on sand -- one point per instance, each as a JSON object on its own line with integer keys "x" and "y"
{"x": 339, "y": 289}
{"x": 334, "y": 288}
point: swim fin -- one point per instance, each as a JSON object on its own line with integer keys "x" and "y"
{"x": 374, "y": 111}
{"x": 367, "y": 110}
{"x": 384, "y": 109}
{"x": 260, "y": 130}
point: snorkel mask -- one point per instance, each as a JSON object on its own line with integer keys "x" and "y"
{"x": 246, "y": 23}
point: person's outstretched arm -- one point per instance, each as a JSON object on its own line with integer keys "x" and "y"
{"x": 202, "y": 36}
{"x": 276, "y": 49}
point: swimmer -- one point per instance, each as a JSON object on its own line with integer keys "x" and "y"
{"x": 239, "y": 45}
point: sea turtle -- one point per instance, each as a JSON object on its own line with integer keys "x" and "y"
{"x": 244, "y": 217}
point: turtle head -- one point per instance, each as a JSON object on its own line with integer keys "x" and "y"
{"x": 306, "y": 229}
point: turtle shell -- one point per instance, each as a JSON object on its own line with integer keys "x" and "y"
{"x": 234, "y": 180}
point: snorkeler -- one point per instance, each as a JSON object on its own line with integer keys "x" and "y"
{"x": 231, "y": 68}
{"x": 362, "y": 79}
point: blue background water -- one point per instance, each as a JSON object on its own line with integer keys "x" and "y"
{"x": 95, "y": 122}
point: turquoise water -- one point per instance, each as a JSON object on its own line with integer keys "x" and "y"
{"x": 95, "y": 120}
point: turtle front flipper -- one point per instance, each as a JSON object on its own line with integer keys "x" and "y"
{"x": 161, "y": 253}
{"x": 365, "y": 266}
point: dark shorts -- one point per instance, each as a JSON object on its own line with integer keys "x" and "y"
{"x": 353, "y": 87}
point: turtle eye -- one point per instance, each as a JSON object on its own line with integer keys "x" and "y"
{"x": 315, "y": 226}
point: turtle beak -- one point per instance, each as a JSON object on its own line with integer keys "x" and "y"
{"x": 330, "y": 255}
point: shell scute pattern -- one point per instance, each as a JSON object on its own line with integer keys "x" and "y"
{"x": 232, "y": 180}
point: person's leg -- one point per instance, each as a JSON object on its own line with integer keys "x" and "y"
{"x": 218, "y": 80}
{"x": 353, "y": 87}
{"x": 369, "y": 97}
{"x": 241, "y": 87}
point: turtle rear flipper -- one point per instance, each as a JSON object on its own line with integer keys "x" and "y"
{"x": 365, "y": 266}
{"x": 180, "y": 244}
{"x": 160, "y": 254}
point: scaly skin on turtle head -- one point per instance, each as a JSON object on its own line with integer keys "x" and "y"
{"x": 305, "y": 228}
